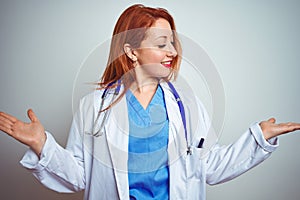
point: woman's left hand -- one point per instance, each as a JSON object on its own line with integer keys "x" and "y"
{"x": 270, "y": 129}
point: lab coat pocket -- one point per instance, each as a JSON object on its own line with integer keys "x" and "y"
{"x": 194, "y": 164}
{"x": 195, "y": 174}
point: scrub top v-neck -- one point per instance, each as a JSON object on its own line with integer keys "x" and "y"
{"x": 148, "y": 172}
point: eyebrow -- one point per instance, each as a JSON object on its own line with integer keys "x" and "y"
{"x": 164, "y": 37}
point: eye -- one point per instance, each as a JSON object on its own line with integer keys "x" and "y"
{"x": 161, "y": 46}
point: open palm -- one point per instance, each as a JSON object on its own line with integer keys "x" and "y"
{"x": 271, "y": 129}
{"x": 31, "y": 134}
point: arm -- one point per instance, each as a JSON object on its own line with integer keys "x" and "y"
{"x": 253, "y": 147}
{"x": 227, "y": 162}
{"x": 55, "y": 167}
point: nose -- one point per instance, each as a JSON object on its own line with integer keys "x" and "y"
{"x": 171, "y": 51}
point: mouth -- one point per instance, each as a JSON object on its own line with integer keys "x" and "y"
{"x": 167, "y": 64}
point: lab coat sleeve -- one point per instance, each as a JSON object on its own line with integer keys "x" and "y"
{"x": 60, "y": 169}
{"x": 227, "y": 162}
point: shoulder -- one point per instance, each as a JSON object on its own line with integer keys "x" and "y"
{"x": 194, "y": 108}
{"x": 88, "y": 102}
{"x": 91, "y": 97}
{"x": 186, "y": 94}
{"x": 94, "y": 98}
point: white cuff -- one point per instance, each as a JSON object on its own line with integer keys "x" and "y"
{"x": 268, "y": 145}
{"x": 31, "y": 161}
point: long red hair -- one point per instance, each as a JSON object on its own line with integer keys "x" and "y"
{"x": 131, "y": 28}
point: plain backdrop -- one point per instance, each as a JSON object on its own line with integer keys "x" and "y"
{"x": 254, "y": 45}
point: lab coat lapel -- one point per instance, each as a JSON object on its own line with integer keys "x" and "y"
{"x": 117, "y": 130}
{"x": 176, "y": 146}
{"x": 177, "y": 142}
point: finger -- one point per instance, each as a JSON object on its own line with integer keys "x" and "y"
{"x": 6, "y": 129}
{"x": 6, "y": 125}
{"x": 272, "y": 120}
{"x": 32, "y": 116}
{"x": 9, "y": 117}
{"x": 293, "y": 126}
{"x": 289, "y": 127}
{"x": 5, "y": 121}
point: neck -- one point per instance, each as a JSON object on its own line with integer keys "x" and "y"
{"x": 144, "y": 91}
{"x": 145, "y": 86}
{"x": 143, "y": 83}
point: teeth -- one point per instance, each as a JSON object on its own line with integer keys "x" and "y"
{"x": 166, "y": 62}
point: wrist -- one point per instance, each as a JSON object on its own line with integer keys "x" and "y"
{"x": 38, "y": 145}
{"x": 265, "y": 131}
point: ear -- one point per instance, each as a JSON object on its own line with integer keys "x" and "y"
{"x": 130, "y": 52}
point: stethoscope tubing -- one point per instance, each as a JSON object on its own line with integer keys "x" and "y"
{"x": 117, "y": 90}
{"x": 99, "y": 132}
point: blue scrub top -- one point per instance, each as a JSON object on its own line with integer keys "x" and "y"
{"x": 148, "y": 172}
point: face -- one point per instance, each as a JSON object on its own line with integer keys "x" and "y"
{"x": 156, "y": 52}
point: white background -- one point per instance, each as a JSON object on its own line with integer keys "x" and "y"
{"x": 254, "y": 45}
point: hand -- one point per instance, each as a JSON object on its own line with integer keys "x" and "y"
{"x": 270, "y": 129}
{"x": 31, "y": 134}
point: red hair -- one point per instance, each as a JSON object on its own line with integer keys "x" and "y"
{"x": 131, "y": 28}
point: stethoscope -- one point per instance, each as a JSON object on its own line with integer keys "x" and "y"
{"x": 99, "y": 132}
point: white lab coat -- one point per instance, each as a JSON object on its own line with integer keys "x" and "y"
{"x": 98, "y": 165}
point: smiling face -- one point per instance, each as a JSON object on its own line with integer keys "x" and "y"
{"x": 156, "y": 52}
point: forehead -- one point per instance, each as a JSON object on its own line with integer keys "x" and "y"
{"x": 162, "y": 24}
{"x": 161, "y": 28}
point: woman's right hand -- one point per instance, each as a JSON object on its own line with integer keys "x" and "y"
{"x": 31, "y": 134}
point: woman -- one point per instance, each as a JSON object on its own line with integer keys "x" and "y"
{"x": 149, "y": 151}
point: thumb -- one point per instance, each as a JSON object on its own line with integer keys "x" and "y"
{"x": 272, "y": 120}
{"x": 32, "y": 116}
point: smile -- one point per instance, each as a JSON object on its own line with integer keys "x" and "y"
{"x": 167, "y": 64}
